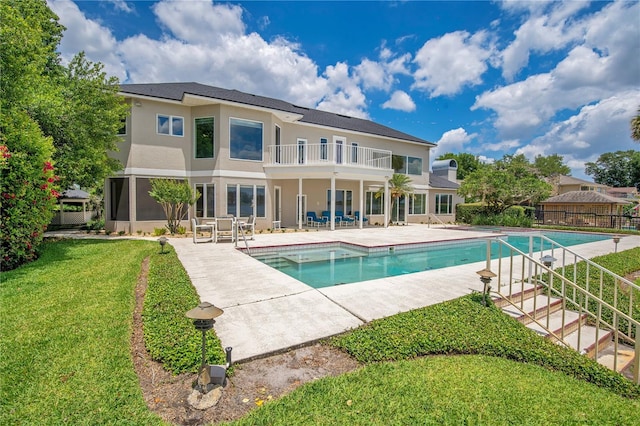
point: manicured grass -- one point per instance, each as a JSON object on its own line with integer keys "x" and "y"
{"x": 454, "y": 390}
{"x": 465, "y": 326}
{"x": 65, "y": 339}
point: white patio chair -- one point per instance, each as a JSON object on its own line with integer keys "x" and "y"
{"x": 249, "y": 227}
{"x": 225, "y": 228}
{"x": 196, "y": 228}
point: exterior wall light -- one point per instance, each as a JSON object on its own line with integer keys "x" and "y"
{"x": 548, "y": 260}
{"x": 485, "y": 277}
{"x": 203, "y": 319}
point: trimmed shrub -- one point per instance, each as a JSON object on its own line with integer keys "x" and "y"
{"x": 28, "y": 190}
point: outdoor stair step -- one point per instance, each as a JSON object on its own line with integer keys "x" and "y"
{"x": 519, "y": 291}
{"x": 572, "y": 320}
{"x": 588, "y": 340}
{"x": 535, "y": 307}
{"x": 625, "y": 357}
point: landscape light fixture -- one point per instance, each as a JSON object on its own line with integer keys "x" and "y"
{"x": 163, "y": 242}
{"x": 547, "y": 260}
{"x": 616, "y": 240}
{"x": 485, "y": 277}
{"x": 203, "y": 319}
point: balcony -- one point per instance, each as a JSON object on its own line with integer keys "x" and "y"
{"x": 328, "y": 154}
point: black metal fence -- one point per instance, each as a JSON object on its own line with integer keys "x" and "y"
{"x": 592, "y": 220}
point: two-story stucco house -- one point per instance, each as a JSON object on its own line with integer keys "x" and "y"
{"x": 253, "y": 155}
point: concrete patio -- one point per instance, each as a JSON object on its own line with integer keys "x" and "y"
{"x": 266, "y": 311}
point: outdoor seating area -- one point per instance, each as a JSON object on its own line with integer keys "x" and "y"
{"x": 223, "y": 228}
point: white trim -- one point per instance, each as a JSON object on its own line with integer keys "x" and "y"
{"x": 171, "y": 133}
{"x": 139, "y": 171}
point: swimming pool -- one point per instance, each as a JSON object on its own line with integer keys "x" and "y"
{"x": 330, "y": 264}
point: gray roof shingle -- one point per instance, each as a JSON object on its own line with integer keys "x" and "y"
{"x": 176, "y": 92}
{"x": 585, "y": 197}
{"x": 441, "y": 183}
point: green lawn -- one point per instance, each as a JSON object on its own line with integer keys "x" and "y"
{"x": 451, "y": 390}
{"x": 66, "y": 327}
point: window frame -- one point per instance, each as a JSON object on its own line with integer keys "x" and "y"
{"x": 204, "y": 200}
{"x": 261, "y": 148}
{"x": 195, "y": 137}
{"x": 423, "y": 204}
{"x": 438, "y": 204}
{"x": 170, "y": 119}
{"x": 258, "y": 201}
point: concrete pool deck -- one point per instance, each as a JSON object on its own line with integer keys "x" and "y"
{"x": 267, "y": 311}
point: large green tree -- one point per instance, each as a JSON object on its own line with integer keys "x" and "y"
{"x": 511, "y": 181}
{"x": 616, "y": 169}
{"x": 467, "y": 163}
{"x": 635, "y": 127}
{"x": 29, "y": 35}
{"x": 551, "y": 166}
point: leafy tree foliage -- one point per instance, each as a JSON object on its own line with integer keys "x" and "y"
{"x": 29, "y": 34}
{"x": 175, "y": 197}
{"x": 467, "y": 163}
{"x": 511, "y": 181}
{"x": 635, "y": 127}
{"x": 616, "y": 169}
{"x": 399, "y": 186}
{"x": 551, "y": 166}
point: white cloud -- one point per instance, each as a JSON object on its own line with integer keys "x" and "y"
{"x": 401, "y": 101}
{"x": 344, "y": 95}
{"x": 121, "y": 5}
{"x": 453, "y": 141}
{"x": 451, "y": 62}
{"x": 373, "y": 75}
{"x": 200, "y": 22}
{"x": 597, "y": 128}
{"x": 86, "y": 35}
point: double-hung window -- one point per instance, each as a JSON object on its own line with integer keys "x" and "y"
{"x": 246, "y": 139}
{"x": 204, "y": 137}
{"x": 170, "y": 125}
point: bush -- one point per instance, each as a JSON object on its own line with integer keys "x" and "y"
{"x": 95, "y": 224}
{"x": 169, "y": 335}
{"x": 27, "y": 188}
{"x": 159, "y": 231}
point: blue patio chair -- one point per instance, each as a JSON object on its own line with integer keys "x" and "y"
{"x": 357, "y": 216}
{"x": 344, "y": 220}
{"x": 327, "y": 214}
{"x": 313, "y": 220}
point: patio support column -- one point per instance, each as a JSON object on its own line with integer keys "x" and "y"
{"x": 332, "y": 212}
{"x": 361, "y": 205}
{"x": 387, "y": 207}
{"x": 300, "y": 203}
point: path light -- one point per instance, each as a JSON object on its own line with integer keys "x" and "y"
{"x": 163, "y": 242}
{"x": 548, "y": 260}
{"x": 203, "y": 319}
{"x": 616, "y": 240}
{"x": 485, "y": 277}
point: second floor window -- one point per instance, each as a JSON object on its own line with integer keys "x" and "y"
{"x": 245, "y": 139}
{"x": 170, "y": 125}
{"x": 204, "y": 137}
{"x": 406, "y": 165}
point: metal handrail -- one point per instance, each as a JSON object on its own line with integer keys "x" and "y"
{"x": 588, "y": 298}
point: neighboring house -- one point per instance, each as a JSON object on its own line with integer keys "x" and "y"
{"x": 249, "y": 154}
{"x": 582, "y": 208}
{"x": 564, "y": 184}
{"x": 627, "y": 193}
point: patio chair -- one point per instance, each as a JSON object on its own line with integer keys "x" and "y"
{"x": 327, "y": 214}
{"x": 225, "y": 228}
{"x": 249, "y": 227}
{"x": 202, "y": 228}
{"x": 313, "y": 220}
{"x": 344, "y": 220}
{"x": 357, "y": 216}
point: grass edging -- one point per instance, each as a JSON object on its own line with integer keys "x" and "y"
{"x": 465, "y": 326}
{"x": 169, "y": 335}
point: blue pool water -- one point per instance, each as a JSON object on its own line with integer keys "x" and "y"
{"x": 343, "y": 264}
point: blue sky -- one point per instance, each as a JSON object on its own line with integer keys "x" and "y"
{"x": 487, "y": 78}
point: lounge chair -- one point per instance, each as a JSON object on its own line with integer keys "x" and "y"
{"x": 344, "y": 220}
{"x": 225, "y": 228}
{"x": 313, "y": 220}
{"x": 357, "y": 216}
{"x": 327, "y": 214}
{"x": 202, "y": 228}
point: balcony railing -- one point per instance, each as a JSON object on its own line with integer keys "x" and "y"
{"x": 329, "y": 154}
